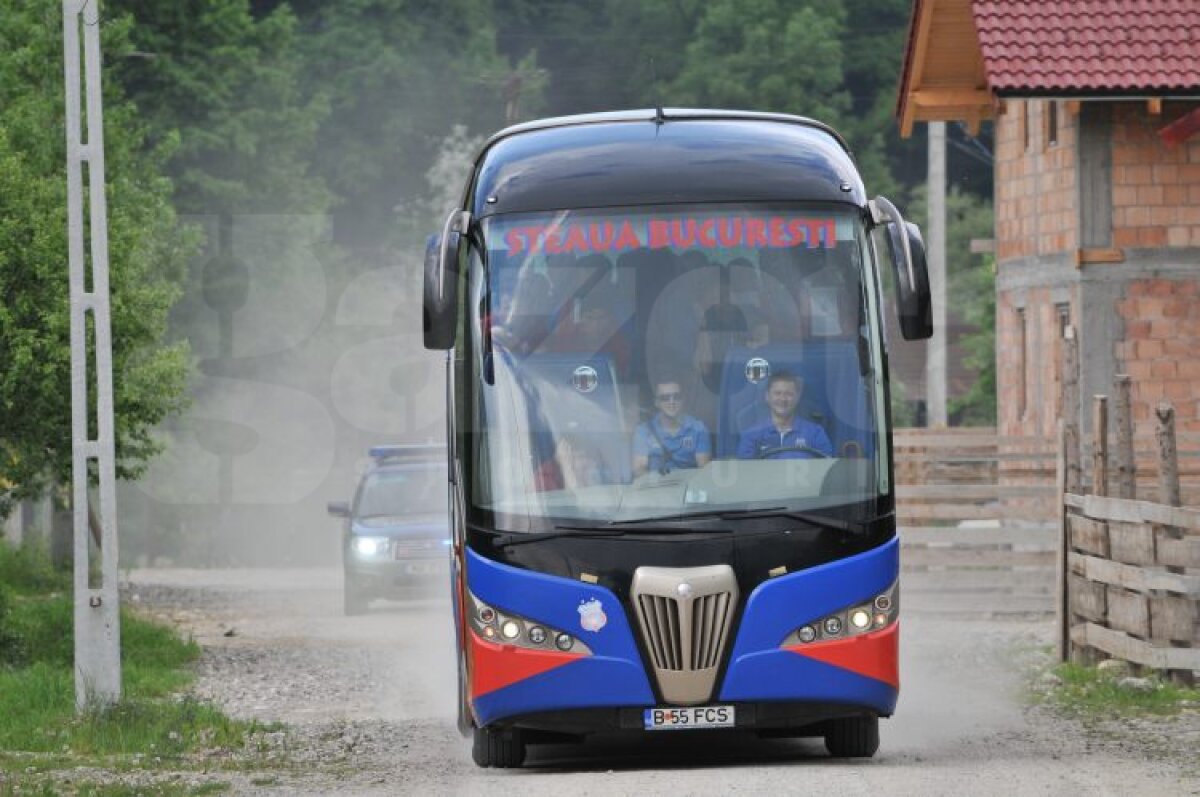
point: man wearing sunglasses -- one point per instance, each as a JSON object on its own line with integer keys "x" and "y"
{"x": 671, "y": 439}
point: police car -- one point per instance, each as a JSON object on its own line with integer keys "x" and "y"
{"x": 395, "y": 539}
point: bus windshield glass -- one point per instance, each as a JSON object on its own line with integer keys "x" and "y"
{"x": 657, "y": 362}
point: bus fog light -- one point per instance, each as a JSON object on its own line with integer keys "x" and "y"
{"x": 883, "y": 603}
{"x": 537, "y": 635}
{"x": 860, "y": 619}
{"x": 564, "y": 642}
{"x": 486, "y": 614}
{"x": 833, "y": 625}
{"x": 489, "y": 632}
{"x": 807, "y": 633}
{"x": 510, "y": 629}
{"x": 880, "y": 620}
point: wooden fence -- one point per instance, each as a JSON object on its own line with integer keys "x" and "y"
{"x": 1129, "y": 570}
{"x": 976, "y": 517}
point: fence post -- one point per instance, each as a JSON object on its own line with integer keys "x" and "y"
{"x": 1100, "y": 445}
{"x": 1168, "y": 461}
{"x": 1168, "y": 489}
{"x": 1062, "y": 607}
{"x": 1126, "y": 466}
{"x": 1071, "y": 410}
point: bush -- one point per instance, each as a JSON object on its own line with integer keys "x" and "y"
{"x": 27, "y": 569}
{"x": 10, "y": 647}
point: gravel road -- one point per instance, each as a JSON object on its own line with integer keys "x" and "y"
{"x": 368, "y": 705}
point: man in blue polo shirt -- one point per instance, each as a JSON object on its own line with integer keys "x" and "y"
{"x": 785, "y": 436}
{"x": 671, "y": 439}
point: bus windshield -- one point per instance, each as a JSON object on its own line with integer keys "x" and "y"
{"x": 657, "y": 362}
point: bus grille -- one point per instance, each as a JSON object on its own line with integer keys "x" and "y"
{"x": 685, "y": 615}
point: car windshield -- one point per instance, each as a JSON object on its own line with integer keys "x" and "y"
{"x": 395, "y": 493}
{"x": 647, "y": 362}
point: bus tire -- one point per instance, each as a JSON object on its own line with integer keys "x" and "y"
{"x": 503, "y": 748}
{"x": 852, "y": 737}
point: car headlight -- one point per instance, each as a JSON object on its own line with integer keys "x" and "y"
{"x": 506, "y": 628}
{"x": 874, "y": 615}
{"x": 370, "y": 546}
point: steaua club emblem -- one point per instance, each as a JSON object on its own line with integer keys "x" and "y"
{"x": 591, "y": 615}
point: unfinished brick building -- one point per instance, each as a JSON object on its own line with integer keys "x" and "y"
{"x": 1096, "y": 107}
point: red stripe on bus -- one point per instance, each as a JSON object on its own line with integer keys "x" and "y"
{"x": 874, "y": 655}
{"x": 496, "y": 666}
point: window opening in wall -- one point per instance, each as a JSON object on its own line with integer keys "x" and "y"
{"x": 1051, "y": 117}
{"x": 1021, "y": 361}
{"x": 1062, "y": 314}
{"x": 1025, "y": 125}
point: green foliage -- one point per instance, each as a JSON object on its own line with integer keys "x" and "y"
{"x": 26, "y": 569}
{"x": 1090, "y": 691}
{"x": 396, "y": 78}
{"x": 37, "y": 684}
{"x": 970, "y": 299}
{"x": 766, "y": 55}
{"x": 145, "y": 251}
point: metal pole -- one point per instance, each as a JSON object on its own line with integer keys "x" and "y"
{"x": 935, "y": 362}
{"x": 97, "y": 616}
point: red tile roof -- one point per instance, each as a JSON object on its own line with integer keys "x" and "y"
{"x": 1081, "y": 46}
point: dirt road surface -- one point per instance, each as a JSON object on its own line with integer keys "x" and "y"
{"x": 368, "y": 702}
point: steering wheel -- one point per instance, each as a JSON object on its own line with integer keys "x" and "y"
{"x": 770, "y": 452}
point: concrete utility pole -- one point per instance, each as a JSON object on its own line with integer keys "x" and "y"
{"x": 97, "y": 615}
{"x": 935, "y": 251}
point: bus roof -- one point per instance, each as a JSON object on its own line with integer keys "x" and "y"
{"x": 662, "y": 156}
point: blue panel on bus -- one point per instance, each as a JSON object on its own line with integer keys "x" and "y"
{"x": 786, "y": 676}
{"x": 591, "y": 682}
{"x": 612, "y": 676}
{"x": 781, "y": 605}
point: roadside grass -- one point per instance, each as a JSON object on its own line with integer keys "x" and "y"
{"x": 153, "y": 727}
{"x": 1091, "y": 692}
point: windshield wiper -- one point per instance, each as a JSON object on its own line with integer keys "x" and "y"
{"x": 511, "y": 539}
{"x": 813, "y": 519}
{"x": 520, "y": 538}
{"x": 855, "y": 527}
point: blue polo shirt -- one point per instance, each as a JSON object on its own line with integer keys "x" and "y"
{"x": 802, "y": 434}
{"x": 681, "y": 447}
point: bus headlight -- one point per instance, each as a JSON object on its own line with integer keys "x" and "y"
{"x": 497, "y": 625}
{"x": 874, "y": 615}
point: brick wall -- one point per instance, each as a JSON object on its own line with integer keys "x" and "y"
{"x": 1156, "y": 209}
{"x": 1156, "y": 188}
{"x": 1035, "y": 181}
{"x": 1161, "y": 349}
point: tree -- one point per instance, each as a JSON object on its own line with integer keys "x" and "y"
{"x": 397, "y": 77}
{"x": 767, "y": 54}
{"x": 145, "y": 250}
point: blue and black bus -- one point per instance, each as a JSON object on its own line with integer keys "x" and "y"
{"x": 669, "y": 440}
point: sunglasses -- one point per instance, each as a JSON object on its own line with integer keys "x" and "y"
{"x": 669, "y": 396}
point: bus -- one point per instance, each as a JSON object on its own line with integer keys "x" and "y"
{"x": 671, "y": 489}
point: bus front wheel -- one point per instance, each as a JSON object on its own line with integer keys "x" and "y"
{"x": 503, "y": 748}
{"x": 852, "y": 737}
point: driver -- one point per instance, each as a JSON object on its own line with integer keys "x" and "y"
{"x": 671, "y": 439}
{"x": 786, "y": 435}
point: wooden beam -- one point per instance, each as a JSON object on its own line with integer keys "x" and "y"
{"x": 917, "y": 71}
{"x": 1154, "y": 106}
{"x": 969, "y": 98}
{"x": 1072, "y": 107}
{"x": 1086, "y": 256}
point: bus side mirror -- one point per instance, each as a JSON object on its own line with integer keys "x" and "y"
{"x": 907, "y": 253}
{"x": 439, "y": 313}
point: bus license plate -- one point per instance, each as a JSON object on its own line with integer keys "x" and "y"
{"x": 678, "y": 719}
